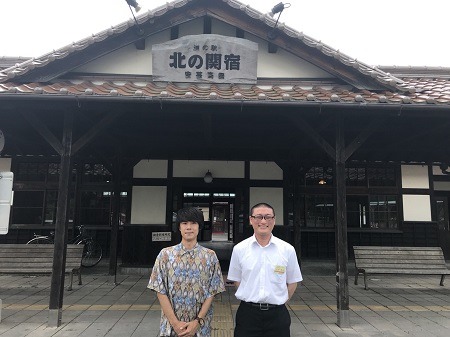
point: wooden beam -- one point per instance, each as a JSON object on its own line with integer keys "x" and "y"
{"x": 362, "y": 137}
{"x": 94, "y": 131}
{"x": 315, "y": 136}
{"x": 43, "y": 130}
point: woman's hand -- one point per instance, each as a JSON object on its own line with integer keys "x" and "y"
{"x": 189, "y": 329}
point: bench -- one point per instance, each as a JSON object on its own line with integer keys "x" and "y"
{"x": 399, "y": 260}
{"x": 38, "y": 259}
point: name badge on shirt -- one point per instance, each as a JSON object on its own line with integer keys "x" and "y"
{"x": 280, "y": 270}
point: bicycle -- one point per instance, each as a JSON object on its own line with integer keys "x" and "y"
{"x": 92, "y": 253}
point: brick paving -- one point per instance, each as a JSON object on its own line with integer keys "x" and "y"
{"x": 393, "y": 306}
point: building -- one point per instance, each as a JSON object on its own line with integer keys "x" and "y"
{"x": 207, "y": 103}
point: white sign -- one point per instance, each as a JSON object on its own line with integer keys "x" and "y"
{"x": 207, "y": 58}
{"x": 162, "y": 236}
{"x": 6, "y": 197}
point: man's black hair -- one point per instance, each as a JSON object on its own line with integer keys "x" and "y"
{"x": 262, "y": 204}
{"x": 190, "y": 214}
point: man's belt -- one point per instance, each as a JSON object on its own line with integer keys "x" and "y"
{"x": 262, "y": 306}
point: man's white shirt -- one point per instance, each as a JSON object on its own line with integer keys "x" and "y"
{"x": 264, "y": 272}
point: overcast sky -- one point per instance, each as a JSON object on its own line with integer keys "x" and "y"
{"x": 378, "y": 32}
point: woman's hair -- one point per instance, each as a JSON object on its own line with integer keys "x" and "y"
{"x": 190, "y": 214}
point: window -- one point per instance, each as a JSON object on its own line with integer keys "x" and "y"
{"x": 95, "y": 208}
{"x": 42, "y": 172}
{"x": 28, "y": 207}
{"x": 319, "y": 211}
{"x": 371, "y": 200}
{"x": 319, "y": 176}
{"x": 96, "y": 173}
{"x": 383, "y": 211}
{"x": 355, "y": 176}
{"x": 51, "y": 202}
{"x": 381, "y": 176}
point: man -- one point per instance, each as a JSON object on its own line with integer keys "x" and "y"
{"x": 265, "y": 271}
{"x": 186, "y": 278}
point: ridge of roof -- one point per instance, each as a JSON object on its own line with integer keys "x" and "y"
{"x": 415, "y": 71}
{"x": 383, "y": 78}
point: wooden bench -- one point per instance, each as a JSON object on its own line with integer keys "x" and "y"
{"x": 399, "y": 260}
{"x": 38, "y": 259}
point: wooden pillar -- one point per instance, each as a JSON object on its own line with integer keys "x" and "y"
{"x": 298, "y": 207}
{"x": 117, "y": 174}
{"x": 61, "y": 228}
{"x": 115, "y": 221}
{"x": 342, "y": 295}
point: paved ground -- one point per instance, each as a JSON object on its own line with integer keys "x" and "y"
{"x": 393, "y": 306}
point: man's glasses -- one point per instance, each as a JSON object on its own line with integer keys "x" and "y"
{"x": 265, "y": 217}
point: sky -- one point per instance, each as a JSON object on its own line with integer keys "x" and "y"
{"x": 376, "y": 32}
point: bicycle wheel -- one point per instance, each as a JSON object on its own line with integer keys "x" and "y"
{"x": 40, "y": 240}
{"x": 92, "y": 253}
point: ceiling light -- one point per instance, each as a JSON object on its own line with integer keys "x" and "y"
{"x": 208, "y": 178}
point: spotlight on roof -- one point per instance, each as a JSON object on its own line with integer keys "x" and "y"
{"x": 137, "y": 8}
{"x": 276, "y": 9}
{"x": 134, "y": 4}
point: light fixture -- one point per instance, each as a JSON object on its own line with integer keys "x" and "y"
{"x": 276, "y": 9}
{"x": 137, "y": 8}
{"x": 208, "y": 178}
{"x": 322, "y": 182}
{"x": 134, "y": 4}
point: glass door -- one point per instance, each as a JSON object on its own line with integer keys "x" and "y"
{"x": 220, "y": 220}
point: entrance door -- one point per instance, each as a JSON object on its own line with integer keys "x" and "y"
{"x": 218, "y": 211}
{"x": 222, "y": 229}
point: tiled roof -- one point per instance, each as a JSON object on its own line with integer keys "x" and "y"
{"x": 430, "y": 91}
{"x": 380, "y": 76}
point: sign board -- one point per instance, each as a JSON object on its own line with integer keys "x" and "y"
{"x": 207, "y": 58}
{"x": 6, "y": 197}
{"x": 162, "y": 236}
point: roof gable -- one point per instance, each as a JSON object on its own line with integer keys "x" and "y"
{"x": 64, "y": 60}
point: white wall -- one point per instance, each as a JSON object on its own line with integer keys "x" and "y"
{"x": 218, "y": 169}
{"x": 5, "y": 164}
{"x": 415, "y": 176}
{"x": 130, "y": 61}
{"x": 150, "y": 169}
{"x": 265, "y": 171}
{"x": 416, "y": 207}
{"x": 148, "y": 205}
{"x": 127, "y": 60}
{"x": 270, "y": 195}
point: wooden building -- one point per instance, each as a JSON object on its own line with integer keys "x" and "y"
{"x": 207, "y": 103}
